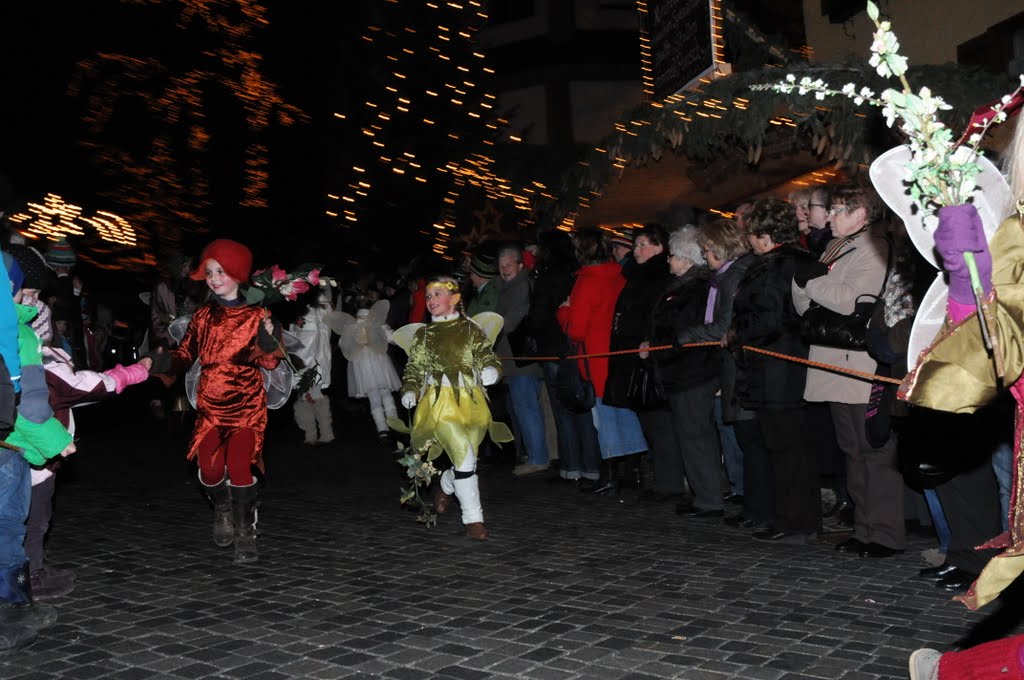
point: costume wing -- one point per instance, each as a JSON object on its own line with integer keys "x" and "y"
{"x": 192, "y": 381}
{"x": 404, "y": 335}
{"x": 376, "y": 337}
{"x": 994, "y": 202}
{"x": 338, "y": 321}
{"x": 291, "y": 342}
{"x": 176, "y": 329}
{"x": 490, "y": 323}
{"x": 278, "y": 384}
{"x": 992, "y": 197}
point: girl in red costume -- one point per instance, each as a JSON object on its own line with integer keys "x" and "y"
{"x": 232, "y": 340}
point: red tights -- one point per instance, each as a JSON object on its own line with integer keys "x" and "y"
{"x": 233, "y": 450}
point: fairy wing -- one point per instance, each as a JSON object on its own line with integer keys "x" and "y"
{"x": 176, "y": 329}
{"x": 339, "y": 321}
{"x": 490, "y": 323}
{"x": 403, "y": 336}
{"x": 376, "y": 336}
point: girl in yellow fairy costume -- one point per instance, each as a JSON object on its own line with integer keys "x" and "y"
{"x": 451, "y": 360}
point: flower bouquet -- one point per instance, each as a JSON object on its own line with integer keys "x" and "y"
{"x": 273, "y": 285}
{"x": 419, "y": 468}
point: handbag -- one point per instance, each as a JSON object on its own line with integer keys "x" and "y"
{"x": 821, "y": 326}
{"x": 574, "y": 391}
{"x": 644, "y": 391}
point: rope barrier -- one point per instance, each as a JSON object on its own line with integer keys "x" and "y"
{"x": 871, "y": 377}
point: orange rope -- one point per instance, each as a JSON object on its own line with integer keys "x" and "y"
{"x": 814, "y": 364}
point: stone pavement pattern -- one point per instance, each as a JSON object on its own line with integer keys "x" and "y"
{"x": 350, "y": 586}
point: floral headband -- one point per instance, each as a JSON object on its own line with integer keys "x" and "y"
{"x": 450, "y": 285}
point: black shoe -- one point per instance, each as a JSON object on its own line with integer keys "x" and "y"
{"x": 789, "y": 537}
{"x": 604, "y": 486}
{"x": 957, "y": 581}
{"x": 585, "y": 485}
{"x": 734, "y": 498}
{"x": 879, "y": 550}
{"x": 851, "y": 545}
{"x": 735, "y": 521}
{"x": 699, "y": 513}
{"x": 937, "y": 573}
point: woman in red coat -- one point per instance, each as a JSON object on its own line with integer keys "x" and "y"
{"x": 232, "y": 341}
{"x": 587, "y": 319}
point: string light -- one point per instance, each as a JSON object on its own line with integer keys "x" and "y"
{"x": 55, "y": 218}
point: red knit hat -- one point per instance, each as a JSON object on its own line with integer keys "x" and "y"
{"x": 235, "y": 259}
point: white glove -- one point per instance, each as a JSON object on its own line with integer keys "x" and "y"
{"x": 489, "y": 375}
{"x": 409, "y": 400}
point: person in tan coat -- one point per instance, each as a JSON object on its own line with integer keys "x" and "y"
{"x": 853, "y": 269}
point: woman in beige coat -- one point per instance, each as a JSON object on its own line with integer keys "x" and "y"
{"x": 853, "y": 267}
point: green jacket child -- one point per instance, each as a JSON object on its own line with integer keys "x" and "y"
{"x": 36, "y": 431}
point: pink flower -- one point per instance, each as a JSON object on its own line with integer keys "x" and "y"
{"x": 314, "y": 277}
{"x": 299, "y": 286}
{"x": 258, "y": 272}
{"x": 277, "y": 274}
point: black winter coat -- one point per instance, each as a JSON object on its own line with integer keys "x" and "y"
{"x": 763, "y": 316}
{"x": 680, "y": 306}
{"x": 632, "y": 320}
{"x": 550, "y": 289}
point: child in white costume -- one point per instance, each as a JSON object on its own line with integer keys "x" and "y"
{"x": 313, "y": 407}
{"x": 371, "y": 375}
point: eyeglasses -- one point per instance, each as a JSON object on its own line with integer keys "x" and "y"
{"x": 817, "y": 205}
{"x": 836, "y": 209}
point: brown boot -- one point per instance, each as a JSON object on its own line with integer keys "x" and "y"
{"x": 477, "y": 530}
{"x": 442, "y": 501}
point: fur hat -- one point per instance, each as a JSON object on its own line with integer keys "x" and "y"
{"x": 32, "y": 264}
{"x": 60, "y": 254}
{"x": 235, "y": 258}
{"x": 483, "y": 266}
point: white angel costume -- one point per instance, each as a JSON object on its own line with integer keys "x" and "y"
{"x": 312, "y": 408}
{"x": 371, "y": 375}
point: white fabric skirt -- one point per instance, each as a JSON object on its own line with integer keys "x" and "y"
{"x": 371, "y": 371}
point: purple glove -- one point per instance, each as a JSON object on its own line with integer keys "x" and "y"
{"x": 960, "y": 231}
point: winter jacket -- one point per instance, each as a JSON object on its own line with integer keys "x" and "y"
{"x": 681, "y": 305}
{"x": 631, "y": 324}
{"x": 856, "y": 270}
{"x": 513, "y": 305}
{"x": 36, "y": 431}
{"x": 485, "y": 299}
{"x": 551, "y": 289}
{"x": 588, "y": 317}
{"x": 721, "y": 321}
{"x": 763, "y": 316}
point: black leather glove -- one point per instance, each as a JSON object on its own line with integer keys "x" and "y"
{"x": 808, "y": 269}
{"x": 268, "y": 341}
{"x": 161, "y": 361}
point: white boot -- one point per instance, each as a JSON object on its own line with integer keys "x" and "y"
{"x": 305, "y": 418}
{"x": 322, "y": 410}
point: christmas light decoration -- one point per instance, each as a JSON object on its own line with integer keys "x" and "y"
{"x": 54, "y": 218}
{"x": 429, "y": 124}
{"x": 158, "y": 160}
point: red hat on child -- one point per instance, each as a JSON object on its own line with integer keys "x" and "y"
{"x": 233, "y": 257}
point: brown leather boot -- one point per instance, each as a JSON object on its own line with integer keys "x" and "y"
{"x": 477, "y": 530}
{"x": 442, "y": 501}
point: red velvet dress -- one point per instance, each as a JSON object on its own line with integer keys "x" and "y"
{"x": 230, "y": 395}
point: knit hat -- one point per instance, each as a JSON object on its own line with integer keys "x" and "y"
{"x": 60, "y": 254}
{"x": 14, "y": 272}
{"x": 483, "y": 266}
{"x": 32, "y": 264}
{"x": 623, "y": 239}
{"x": 235, "y": 259}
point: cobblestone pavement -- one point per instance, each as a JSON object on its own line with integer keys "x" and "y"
{"x": 350, "y": 586}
